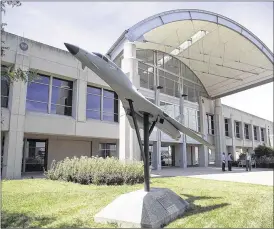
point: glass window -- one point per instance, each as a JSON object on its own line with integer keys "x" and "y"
{"x": 169, "y": 69}
{"x": 191, "y": 95}
{"x": 255, "y": 133}
{"x": 61, "y": 99}
{"x": 38, "y": 94}
{"x": 146, "y": 74}
{"x": 36, "y": 106}
{"x": 61, "y": 95}
{"x": 226, "y": 127}
{"x": 210, "y": 123}
{"x": 246, "y": 131}
{"x": 93, "y": 114}
{"x": 237, "y": 129}
{"x": 198, "y": 121}
{"x": 107, "y": 150}
{"x": 102, "y": 104}
{"x": 4, "y": 91}
{"x": 262, "y": 134}
{"x": 110, "y": 106}
{"x": 35, "y": 156}
{"x": 93, "y": 102}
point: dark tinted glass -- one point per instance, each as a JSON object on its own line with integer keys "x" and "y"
{"x": 4, "y": 86}
{"x": 4, "y": 101}
{"x": 98, "y": 54}
{"x": 62, "y": 83}
{"x": 42, "y": 79}
{"x": 36, "y": 106}
{"x": 108, "y": 105}
{"x": 61, "y": 96}
{"x": 93, "y": 114}
{"x": 61, "y": 110}
{"x": 93, "y": 102}
{"x": 4, "y": 91}
{"x": 94, "y": 90}
{"x": 38, "y": 92}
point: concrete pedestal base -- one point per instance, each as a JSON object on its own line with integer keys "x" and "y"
{"x": 152, "y": 209}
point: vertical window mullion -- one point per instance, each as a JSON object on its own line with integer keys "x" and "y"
{"x": 50, "y": 94}
{"x": 102, "y": 105}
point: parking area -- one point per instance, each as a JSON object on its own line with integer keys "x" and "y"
{"x": 256, "y": 176}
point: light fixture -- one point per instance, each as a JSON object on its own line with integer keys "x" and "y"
{"x": 159, "y": 87}
{"x": 184, "y": 95}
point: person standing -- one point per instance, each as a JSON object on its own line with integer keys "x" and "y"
{"x": 223, "y": 162}
{"x": 229, "y": 161}
{"x": 248, "y": 161}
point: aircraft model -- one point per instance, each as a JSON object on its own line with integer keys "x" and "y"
{"x": 130, "y": 97}
{"x": 138, "y": 109}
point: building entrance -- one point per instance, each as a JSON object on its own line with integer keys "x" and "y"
{"x": 35, "y": 155}
{"x": 167, "y": 155}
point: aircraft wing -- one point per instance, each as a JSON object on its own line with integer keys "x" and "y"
{"x": 169, "y": 125}
{"x": 189, "y": 132}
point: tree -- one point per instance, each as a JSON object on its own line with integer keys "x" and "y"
{"x": 262, "y": 150}
{"x": 10, "y": 73}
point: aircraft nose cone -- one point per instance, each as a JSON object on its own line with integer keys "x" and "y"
{"x": 72, "y": 49}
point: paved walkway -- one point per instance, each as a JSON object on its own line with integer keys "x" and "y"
{"x": 256, "y": 176}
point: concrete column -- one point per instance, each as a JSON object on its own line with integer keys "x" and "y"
{"x": 180, "y": 150}
{"x": 80, "y": 95}
{"x": 219, "y": 138}
{"x": 260, "y": 135}
{"x": 203, "y": 150}
{"x": 128, "y": 144}
{"x": 203, "y": 156}
{"x": 242, "y": 129}
{"x": 157, "y": 102}
{"x": 156, "y": 155}
{"x": 159, "y": 152}
{"x": 13, "y": 148}
{"x": 181, "y": 147}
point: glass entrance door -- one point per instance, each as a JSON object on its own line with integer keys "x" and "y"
{"x": 35, "y": 155}
{"x": 167, "y": 155}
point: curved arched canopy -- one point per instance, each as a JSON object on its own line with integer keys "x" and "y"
{"x": 225, "y": 56}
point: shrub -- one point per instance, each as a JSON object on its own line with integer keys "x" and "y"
{"x": 262, "y": 150}
{"x": 96, "y": 170}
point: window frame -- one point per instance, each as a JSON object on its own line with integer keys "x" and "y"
{"x": 246, "y": 131}
{"x": 262, "y": 134}
{"x": 255, "y": 133}
{"x": 237, "y": 135}
{"x": 5, "y": 78}
{"x": 101, "y": 109}
{"x": 49, "y": 102}
{"x": 210, "y": 119}
{"x": 226, "y": 127}
{"x": 105, "y": 149}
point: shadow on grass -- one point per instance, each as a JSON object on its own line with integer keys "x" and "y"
{"x": 197, "y": 209}
{"x": 23, "y": 220}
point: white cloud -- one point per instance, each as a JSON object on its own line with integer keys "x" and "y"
{"x": 97, "y": 25}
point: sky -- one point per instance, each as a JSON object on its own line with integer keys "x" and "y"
{"x": 97, "y": 25}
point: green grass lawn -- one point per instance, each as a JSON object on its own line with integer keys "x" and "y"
{"x": 45, "y": 203}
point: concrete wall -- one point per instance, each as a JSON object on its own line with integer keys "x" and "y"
{"x": 59, "y": 149}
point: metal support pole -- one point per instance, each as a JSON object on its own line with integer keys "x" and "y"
{"x": 146, "y": 151}
{"x": 152, "y": 126}
{"x": 136, "y": 129}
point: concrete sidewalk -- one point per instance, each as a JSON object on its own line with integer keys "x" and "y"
{"x": 256, "y": 176}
